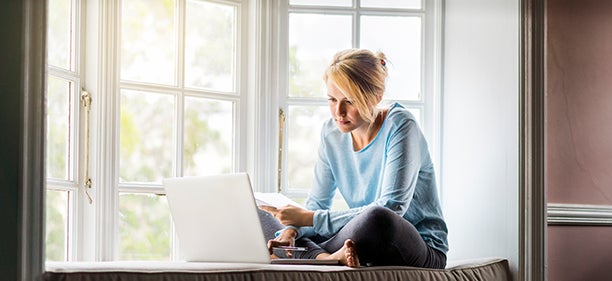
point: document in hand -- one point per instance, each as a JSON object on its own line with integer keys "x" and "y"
{"x": 274, "y": 199}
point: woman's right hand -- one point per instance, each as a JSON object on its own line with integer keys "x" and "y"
{"x": 286, "y": 238}
{"x": 291, "y": 215}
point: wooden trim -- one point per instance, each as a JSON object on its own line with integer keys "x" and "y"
{"x": 579, "y": 214}
{"x": 32, "y": 175}
{"x": 532, "y": 260}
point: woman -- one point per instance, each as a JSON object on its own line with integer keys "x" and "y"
{"x": 378, "y": 159}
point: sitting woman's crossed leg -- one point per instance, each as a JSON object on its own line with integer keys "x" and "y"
{"x": 377, "y": 236}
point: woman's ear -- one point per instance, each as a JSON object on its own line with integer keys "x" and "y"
{"x": 379, "y": 98}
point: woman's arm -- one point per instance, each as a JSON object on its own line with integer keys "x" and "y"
{"x": 290, "y": 215}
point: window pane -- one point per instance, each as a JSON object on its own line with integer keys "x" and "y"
{"x": 147, "y": 41}
{"x": 210, "y": 46}
{"x": 59, "y": 92}
{"x": 56, "y": 225}
{"x": 59, "y": 38}
{"x": 399, "y": 4}
{"x": 208, "y": 129}
{"x": 313, "y": 40}
{"x": 144, "y": 227}
{"x": 146, "y": 140}
{"x": 416, "y": 112}
{"x": 400, "y": 39}
{"x": 335, "y": 3}
{"x": 303, "y": 135}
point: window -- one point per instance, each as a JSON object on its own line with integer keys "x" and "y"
{"x": 165, "y": 76}
{"x": 179, "y": 97}
{"x": 404, "y": 30}
{"x": 169, "y": 81}
{"x": 62, "y": 145}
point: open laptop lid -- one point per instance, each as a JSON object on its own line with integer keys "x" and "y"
{"x": 216, "y": 218}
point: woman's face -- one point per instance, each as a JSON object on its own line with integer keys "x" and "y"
{"x": 343, "y": 110}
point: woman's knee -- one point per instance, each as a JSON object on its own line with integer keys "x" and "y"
{"x": 376, "y": 221}
{"x": 269, "y": 224}
{"x": 378, "y": 214}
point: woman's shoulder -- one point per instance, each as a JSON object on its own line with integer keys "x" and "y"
{"x": 401, "y": 123}
{"x": 398, "y": 114}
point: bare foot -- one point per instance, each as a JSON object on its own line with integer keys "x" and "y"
{"x": 347, "y": 255}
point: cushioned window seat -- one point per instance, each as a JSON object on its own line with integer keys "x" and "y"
{"x": 482, "y": 269}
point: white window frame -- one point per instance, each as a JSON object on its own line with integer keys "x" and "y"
{"x": 180, "y": 93}
{"x": 431, "y": 66}
{"x": 74, "y": 184}
{"x": 261, "y": 84}
{"x": 98, "y": 234}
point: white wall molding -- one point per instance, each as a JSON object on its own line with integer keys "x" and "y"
{"x": 579, "y": 214}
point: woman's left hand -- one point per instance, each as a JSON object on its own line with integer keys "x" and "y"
{"x": 291, "y": 215}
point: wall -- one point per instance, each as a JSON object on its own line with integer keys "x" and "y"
{"x": 579, "y": 101}
{"x": 578, "y": 133}
{"x": 479, "y": 176}
{"x": 10, "y": 90}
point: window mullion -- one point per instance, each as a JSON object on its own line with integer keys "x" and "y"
{"x": 107, "y": 80}
{"x": 357, "y": 24}
{"x": 180, "y": 18}
{"x": 263, "y": 72}
{"x": 239, "y": 155}
{"x": 431, "y": 86}
{"x": 80, "y": 212}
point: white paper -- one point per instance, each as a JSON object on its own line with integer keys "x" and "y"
{"x": 274, "y": 199}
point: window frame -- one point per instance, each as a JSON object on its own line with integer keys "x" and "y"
{"x": 98, "y": 233}
{"x": 260, "y": 83}
{"x": 431, "y": 65}
{"x": 73, "y": 185}
{"x": 180, "y": 92}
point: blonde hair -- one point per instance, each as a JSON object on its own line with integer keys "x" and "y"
{"x": 360, "y": 75}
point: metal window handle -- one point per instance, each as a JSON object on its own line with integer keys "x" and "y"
{"x": 281, "y": 131}
{"x": 86, "y": 103}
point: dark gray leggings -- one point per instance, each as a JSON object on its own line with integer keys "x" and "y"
{"x": 381, "y": 238}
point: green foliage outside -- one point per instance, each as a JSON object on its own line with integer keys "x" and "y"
{"x": 145, "y": 227}
{"x": 58, "y": 119}
{"x": 304, "y": 122}
{"x": 147, "y": 135}
{"x": 56, "y": 228}
{"x": 146, "y": 151}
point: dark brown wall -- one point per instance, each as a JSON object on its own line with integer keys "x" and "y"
{"x": 579, "y": 133}
{"x": 579, "y": 101}
{"x": 579, "y": 253}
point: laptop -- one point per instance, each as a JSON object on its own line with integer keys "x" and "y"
{"x": 216, "y": 220}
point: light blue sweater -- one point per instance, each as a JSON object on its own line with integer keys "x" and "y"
{"x": 394, "y": 171}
